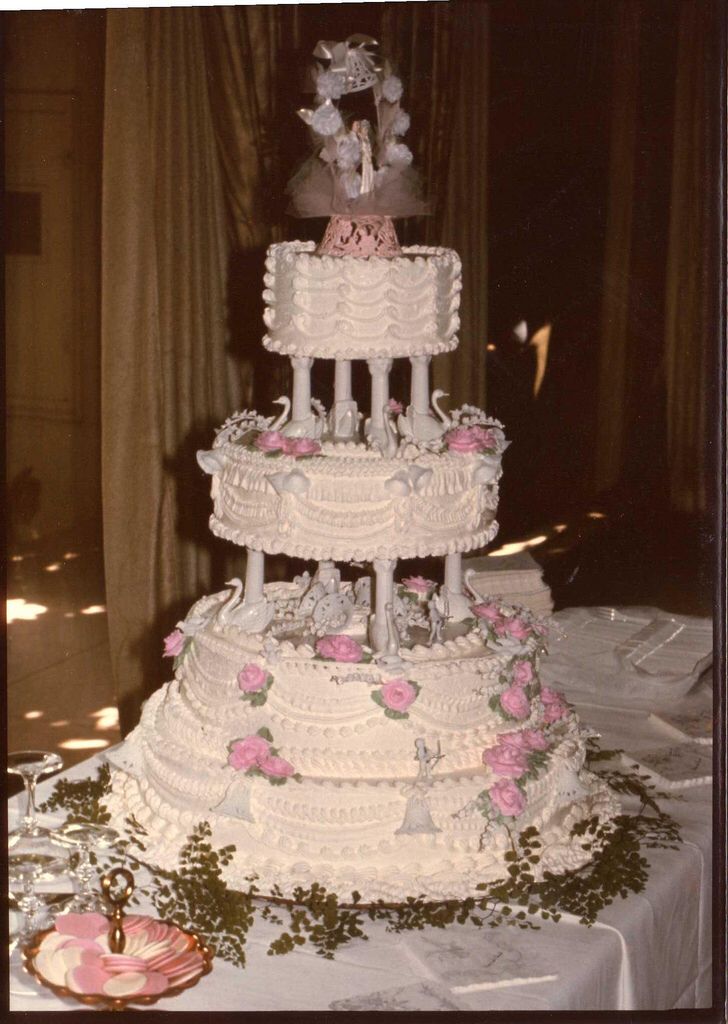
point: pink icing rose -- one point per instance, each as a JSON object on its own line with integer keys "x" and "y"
{"x": 398, "y": 694}
{"x": 515, "y": 702}
{"x": 489, "y": 612}
{"x": 507, "y": 798}
{"x": 418, "y": 584}
{"x": 252, "y": 678}
{"x": 174, "y": 643}
{"x": 246, "y": 753}
{"x": 517, "y": 628}
{"x": 270, "y": 441}
{"x": 522, "y": 673}
{"x": 394, "y": 406}
{"x": 463, "y": 441}
{"x": 525, "y": 739}
{"x": 276, "y": 767}
{"x": 339, "y": 647}
{"x": 300, "y": 446}
{"x": 486, "y": 437}
{"x": 506, "y": 760}
{"x": 535, "y": 739}
{"x": 554, "y": 705}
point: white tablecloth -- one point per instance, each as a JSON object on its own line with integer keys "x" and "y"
{"x": 651, "y": 951}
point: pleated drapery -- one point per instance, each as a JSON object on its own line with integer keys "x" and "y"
{"x": 654, "y": 388}
{"x": 167, "y": 377}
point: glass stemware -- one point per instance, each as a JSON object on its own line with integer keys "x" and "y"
{"x": 31, "y": 860}
{"x": 31, "y": 765}
{"x": 83, "y": 837}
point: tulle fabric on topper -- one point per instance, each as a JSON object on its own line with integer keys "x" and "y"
{"x": 358, "y": 169}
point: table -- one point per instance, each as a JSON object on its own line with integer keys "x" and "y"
{"x": 651, "y": 951}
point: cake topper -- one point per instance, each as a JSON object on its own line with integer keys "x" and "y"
{"x": 360, "y": 168}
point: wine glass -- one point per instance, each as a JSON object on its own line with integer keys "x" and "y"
{"x": 32, "y": 859}
{"x": 82, "y": 837}
{"x": 31, "y": 765}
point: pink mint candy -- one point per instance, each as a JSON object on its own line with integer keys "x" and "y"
{"x": 118, "y": 963}
{"x": 125, "y": 985}
{"x": 87, "y": 979}
{"x": 82, "y": 926}
{"x": 155, "y": 984}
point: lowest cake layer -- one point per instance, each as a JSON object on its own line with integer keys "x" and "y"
{"x": 387, "y": 805}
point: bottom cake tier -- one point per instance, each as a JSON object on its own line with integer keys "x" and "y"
{"x": 392, "y": 779}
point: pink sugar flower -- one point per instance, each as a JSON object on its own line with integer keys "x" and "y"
{"x": 276, "y": 767}
{"x": 418, "y": 584}
{"x": 515, "y": 702}
{"x": 174, "y": 643}
{"x": 398, "y": 694}
{"x": 252, "y": 678}
{"x": 554, "y": 705}
{"x": 463, "y": 441}
{"x": 248, "y": 753}
{"x": 506, "y": 760}
{"x": 507, "y": 798}
{"x": 517, "y": 628}
{"x": 522, "y": 673}
{"x": 487, "y": 438}
{"x": 270, "y": 441}
{"x": 490, "y": 612}
{"x": 339, "y": 647}
{"x": 535, "y": 739}
{"x": 300, "y": 446}
{"x": 394, "y": 406}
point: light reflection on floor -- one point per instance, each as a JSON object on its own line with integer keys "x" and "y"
{"x": 60, "y": 695}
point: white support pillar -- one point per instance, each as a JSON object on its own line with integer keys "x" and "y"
{"x": 328, "y": 573}
{"x": 344, "y": 415}
{"x": 383, "y": 596}
{"x": 302, "y": 423}
{"x": 453, "y": 573}
{"x": 379, "y": 370}
{"x": 458, "y": 602}
{"x": 342, "y": 380}
{"x": 420, "y": 384}
{"x": 254, "y": 577}
{"x": 301, "y": 409}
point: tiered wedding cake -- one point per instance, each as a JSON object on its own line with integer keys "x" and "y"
{"x": 373, "y": 735}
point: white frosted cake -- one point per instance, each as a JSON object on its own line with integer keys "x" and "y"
{"x": 382, "y": 733}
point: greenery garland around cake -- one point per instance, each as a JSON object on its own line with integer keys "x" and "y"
{"x": 195, "y": 894}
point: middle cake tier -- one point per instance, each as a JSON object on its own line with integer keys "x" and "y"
{"x": 351, "y": 503}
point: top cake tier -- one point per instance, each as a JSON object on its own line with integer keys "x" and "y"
{"x": 347, "y": 307}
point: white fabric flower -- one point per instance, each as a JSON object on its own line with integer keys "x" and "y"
{"x": 352, "y": 184}
{"x": 391, "y": 88}
{"x": 326, "y": 119}
{"x": 348, "y": 151}
{"x": 401, "y": 123}
{"x": 330, "y": 85}
{"x": 396, "y": 154}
